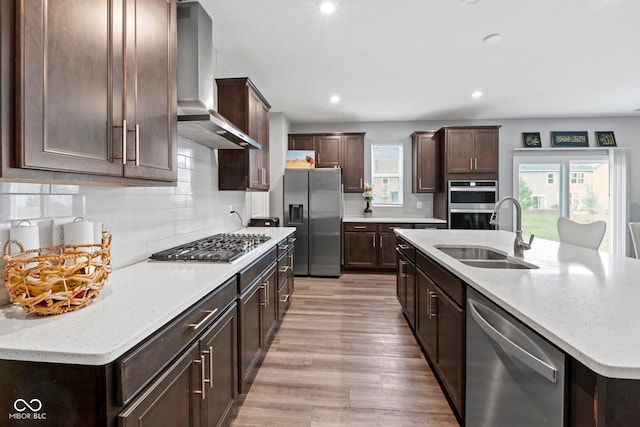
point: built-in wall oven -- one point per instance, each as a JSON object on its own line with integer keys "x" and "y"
{"x": 471, "y": 203}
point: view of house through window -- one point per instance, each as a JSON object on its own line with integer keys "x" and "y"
{"x": 578, "y": 190}
{"x": 386, "y": 174}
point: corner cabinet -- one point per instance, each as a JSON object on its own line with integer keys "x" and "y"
{"x": 240, "y": 102}
{"x": 102, "y": 105}
{"x": 336, "y": 150}
{"x": 425, "y": 163}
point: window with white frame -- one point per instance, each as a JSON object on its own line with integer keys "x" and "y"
{"x": 551, "y": 178}
{"x": 386, "y": 174}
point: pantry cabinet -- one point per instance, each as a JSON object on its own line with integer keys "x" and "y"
{"x": 240, "y": 102}
{"x": 336, "y": 150}
{"x": 103, "y": 104}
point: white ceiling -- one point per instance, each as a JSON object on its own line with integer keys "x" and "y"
{"x": 403, "y": 60}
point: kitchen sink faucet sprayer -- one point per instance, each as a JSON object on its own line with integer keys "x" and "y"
{"x": 519, "y": 245}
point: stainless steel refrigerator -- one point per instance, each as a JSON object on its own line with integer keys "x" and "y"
{"x": 313, "y": 204}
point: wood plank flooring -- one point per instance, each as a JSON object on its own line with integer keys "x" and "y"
{"x": 344, "y": 356}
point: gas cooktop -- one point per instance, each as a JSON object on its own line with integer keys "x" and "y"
{"x": 223, "y": 247}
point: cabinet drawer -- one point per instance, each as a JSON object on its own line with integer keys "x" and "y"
{"x": 360, "y": 226}
{"x": 248, "y": 275}
{"x": 283, "y": 247}
{"x": 449, "y": 283}
{"x": 406, "y": 249}
{"x": 139, "y": 367}
{"x": 388, "y": 228}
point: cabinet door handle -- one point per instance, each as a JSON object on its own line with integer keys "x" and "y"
{"x": 124, "y": 140}
{"x": 432, "y": 296}
{"x": 203, "y": 321}
{"x": 381, "y": 241}
{"x": 475, "y": 164}
{"x": 210, "y": 379}
{"x": 361, "y": 186}
{"x": 137, "y": 147}
{"x": 203, "y": 391}
{"x": 401, "y": 267}
{"x": 471, "y": 163}
{"x": 420, "y": 183}
{"x": 373, "y": 238}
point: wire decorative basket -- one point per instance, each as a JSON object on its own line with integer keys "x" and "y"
{"x": 59, "y": 279}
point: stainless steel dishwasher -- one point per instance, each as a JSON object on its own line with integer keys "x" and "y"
{"x": 514, "y": 376}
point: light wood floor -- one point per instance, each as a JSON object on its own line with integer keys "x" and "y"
{"x": 344, "y": 356}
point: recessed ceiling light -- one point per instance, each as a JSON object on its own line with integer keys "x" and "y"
{"x": 477, "y": 94}
{"x": 327, "y": 7}
{"x": 492, "y": 38}
{"x": 334, "y": 99}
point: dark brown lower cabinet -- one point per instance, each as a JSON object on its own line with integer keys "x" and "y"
{"x": 258, "y": 314}
{"x": 199, "y": 389}
{"x": 219, "y": 347}
{"x": 406, "y": 280}
{"x": 426, "y": 314}
{"x": 170, "y": 400}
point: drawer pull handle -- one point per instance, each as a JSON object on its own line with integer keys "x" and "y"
{"x": 195, "y": 326}
{"x": 283, "y": 247}
{"x": 285, "y": 299}
{"x": 285, "y": 269}
{"x": 203, "y": 391}
{"x": 404, "y": 247}
{"x": 359, "y": 227}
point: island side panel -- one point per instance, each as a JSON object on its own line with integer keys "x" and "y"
{"x": 33, "y": 393}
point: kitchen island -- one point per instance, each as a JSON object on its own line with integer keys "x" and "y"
{"x": 582, "y": 301}
{"x": 110, "y": 359}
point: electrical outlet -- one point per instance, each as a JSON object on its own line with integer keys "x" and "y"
{"x": 419, "y": 205}
{"x": 57, "y": 232}
{"x": 230, "y": 209}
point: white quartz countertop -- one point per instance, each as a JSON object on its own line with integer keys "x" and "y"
{"x": 394, "y": 219}
{"x": 136, "y": 301}
{"x": 583, "y": 301}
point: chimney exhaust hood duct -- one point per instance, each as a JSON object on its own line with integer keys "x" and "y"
{"x": 197, "y": 121}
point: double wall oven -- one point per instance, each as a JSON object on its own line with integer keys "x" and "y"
{"x": 471, "y": 203}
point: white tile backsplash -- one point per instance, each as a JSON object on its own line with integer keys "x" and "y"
{"x": 142, "y": 220}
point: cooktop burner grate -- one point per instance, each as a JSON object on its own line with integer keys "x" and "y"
{"x": 223, "y": 247}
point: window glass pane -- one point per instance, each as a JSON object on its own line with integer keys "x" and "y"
{"x": 540, "y": 198}
{"x": 578, "y": 189}
{"x": 386, "y": 174}
{"x": 589, "y": 190}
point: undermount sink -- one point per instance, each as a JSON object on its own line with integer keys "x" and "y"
{"x": 483, "y": 257}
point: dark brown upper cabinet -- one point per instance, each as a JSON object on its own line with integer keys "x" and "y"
{"x": 470, "y": 150}
{"x": 333, "y": 150}
{"x": 95, "y": 90}
{"x": 425, "y": 163}
{"x": 240, "y": 102}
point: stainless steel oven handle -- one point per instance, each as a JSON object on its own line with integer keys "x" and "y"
{"x": 544, "y": 369}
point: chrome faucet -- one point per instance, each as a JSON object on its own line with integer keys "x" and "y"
{"x": 519, "y": 245}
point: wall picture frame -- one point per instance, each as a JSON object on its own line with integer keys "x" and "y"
{"x": 531, "y": 140}
{"x": 605, "y": 139}
{"x": 569, "y": 139}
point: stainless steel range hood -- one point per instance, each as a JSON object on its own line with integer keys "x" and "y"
{"x": 197, "y": 121}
